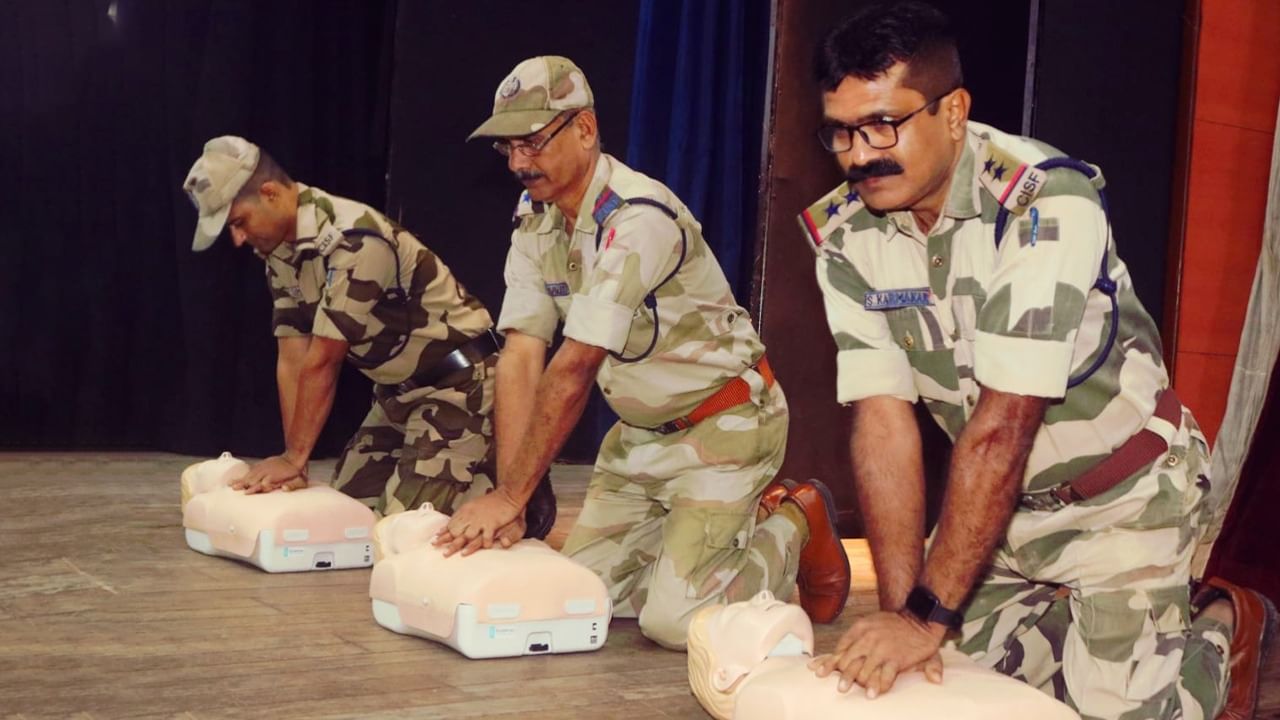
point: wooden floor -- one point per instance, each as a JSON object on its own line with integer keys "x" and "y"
{"x": 105, "y": 613}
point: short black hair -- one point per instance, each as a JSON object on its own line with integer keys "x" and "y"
{"x": 879, "y": 35}
{"x": 267, "y": 169}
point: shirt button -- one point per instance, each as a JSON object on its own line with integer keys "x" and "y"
{"x": 938, "y": 261}
{"x": 908, "y": 342}
{"x": 1171, "y": 461}
{"x": 573, "y": 267}
{"x": 607, "y": 391}
{"x": 968, "y": 400}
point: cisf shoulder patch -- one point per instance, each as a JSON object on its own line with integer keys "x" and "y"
{"x": 328, "y": 239}
{"x": 1014, "y": 184}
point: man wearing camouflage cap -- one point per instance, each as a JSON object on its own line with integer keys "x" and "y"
{"x": 975, "y": 271}
{"x": 347, "y": 283}
{"x": 674, "y": 518}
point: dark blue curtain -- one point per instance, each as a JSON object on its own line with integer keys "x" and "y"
{"x": 697, "y": 113}
{"x": 697, "y": 116}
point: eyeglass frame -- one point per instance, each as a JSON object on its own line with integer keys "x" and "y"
{"x": 893, "y": 124}
{"x": 530, "y": 150}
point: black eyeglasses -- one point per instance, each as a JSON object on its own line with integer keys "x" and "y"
{"x": 878, "y": 134}
{"x": 532, "y": 149}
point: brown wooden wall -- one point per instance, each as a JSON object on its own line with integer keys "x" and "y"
{"x": 1233, "y": 122}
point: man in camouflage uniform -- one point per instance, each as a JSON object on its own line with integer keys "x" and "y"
{"x": 348, "y": 283}
{"x": 957, "y": 272}
{"x": 673, "y": 518}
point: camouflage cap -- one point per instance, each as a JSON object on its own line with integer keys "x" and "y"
{"x": 222, "y": 169}
{"x": 535, "y": 92}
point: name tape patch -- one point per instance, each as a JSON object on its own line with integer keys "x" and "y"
{"x": 558, "y": 289}
{"x": 897, "y": 298}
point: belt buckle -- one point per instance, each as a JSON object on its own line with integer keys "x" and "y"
{"x": 1043, "y": 501}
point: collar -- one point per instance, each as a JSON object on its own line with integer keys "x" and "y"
{"x": 315, "y": 229}
{"x": 596, "y": 192}
{"x": 962, "y": 195}
{"x": 309, "y": 217}
{"x": 962, "y": 198}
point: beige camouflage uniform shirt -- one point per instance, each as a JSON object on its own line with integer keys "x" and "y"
{"x": 936, "y": 315}
{"x": 344, "y": 299}
{"x": 553, "y": 276}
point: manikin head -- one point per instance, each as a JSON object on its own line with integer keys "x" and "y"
{"x": 728, "y": 642}
{"x": 409, "y": 530}
{"x": 544, "y": 123}
{"x": 236, "y": 185}
{"x": 210, "y": 475}
{"x": 893, "y": 104}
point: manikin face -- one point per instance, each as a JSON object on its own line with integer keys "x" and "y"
{"x": 917, "y": 168}
{"x": 743, "y": 634}
{"x": 402, "y": 532}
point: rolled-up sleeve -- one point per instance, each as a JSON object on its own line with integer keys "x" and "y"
{"x": 356, "y": 278}
{"x": 1047, "y": 264}
{"x": 638, "y": 251}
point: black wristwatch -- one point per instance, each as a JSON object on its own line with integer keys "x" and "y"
{"x": 926, "y": 606}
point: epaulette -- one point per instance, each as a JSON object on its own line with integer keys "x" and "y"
{"x": 824, "y": 216}
{"x": 1012, "y": 181}
{"x": 526, "y": 208}
{"x": 606, "y": 203}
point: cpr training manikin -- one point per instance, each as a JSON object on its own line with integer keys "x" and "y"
{"x": 313, "y": 528}
{"x": 748, "y": 661}
{"x": 526, "y": 600}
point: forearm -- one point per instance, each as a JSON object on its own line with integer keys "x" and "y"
{"x": 317, "y": 385}
{"x": 558, "y": 401}
{"x": 516, "y": 384}
{"x": 290, "y": 355}
{"x": 983, "y": 484}
{"x": 889, "y": 479}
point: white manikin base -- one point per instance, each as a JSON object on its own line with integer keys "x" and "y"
{"x": 292, "y": 557}
{"x": 478, "y": 640}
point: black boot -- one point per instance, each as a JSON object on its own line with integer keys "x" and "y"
{"x": 540, "y": 514}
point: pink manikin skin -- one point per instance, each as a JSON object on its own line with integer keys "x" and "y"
{"x": 545, "y": 584}
{"x": 733, "y": 677}
{"x": 233, "y": 520}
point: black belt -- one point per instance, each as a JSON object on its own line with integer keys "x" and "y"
{"x": 1138, "y": 452}
{"x": 469, "y": 354}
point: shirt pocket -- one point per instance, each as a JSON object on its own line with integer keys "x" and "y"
{"x": 932, "y": 358}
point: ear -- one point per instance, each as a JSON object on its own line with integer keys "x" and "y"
{"x": 270, "y": 191}
{"x": 957, "y": 106}
{"x": 586, "y": 128}
{"x": 723, "y": 679}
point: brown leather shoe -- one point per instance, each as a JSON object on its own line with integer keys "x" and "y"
{"x": 774, "y": 494}
{"x": 1250, "y": 643}
{"x": 824, "y": 568}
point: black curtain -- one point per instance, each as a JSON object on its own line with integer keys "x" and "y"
{"x": 113, "y": 334}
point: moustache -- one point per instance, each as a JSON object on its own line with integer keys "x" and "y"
{"x": 527, "y": 175}
{"x": 883, "y": 167}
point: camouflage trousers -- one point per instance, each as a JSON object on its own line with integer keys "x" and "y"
{"x": 669, "y": 521}
{"x": 433, "y": 444}
{"x": 1089, "y": 602}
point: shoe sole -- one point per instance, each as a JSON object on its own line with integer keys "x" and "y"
{"x": 829, "y": 504}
